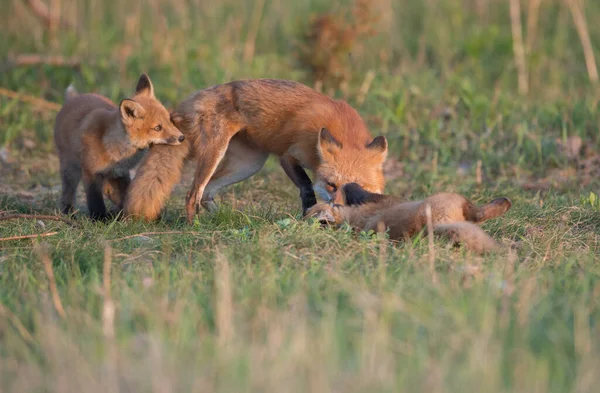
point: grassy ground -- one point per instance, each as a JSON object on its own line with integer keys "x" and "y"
{"x": 253, "y": 299}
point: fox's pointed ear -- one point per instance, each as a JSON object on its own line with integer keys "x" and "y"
{"x": 327, "y": 145}
{"x": 379, "y": 144}
{"x": 327, "y": 140}
{"x": 130, "y": 110}
{"x": 144, "y": 86}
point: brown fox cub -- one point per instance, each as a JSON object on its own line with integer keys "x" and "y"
{"x": 453, "y": 216}
{"x": 100, "y": 142}
{"x": 230, "y": 131}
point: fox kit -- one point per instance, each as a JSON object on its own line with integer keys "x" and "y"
{"x": 230, "y": 131}
{"x": 100, "y": 142}
{"x": 452, "y": 215}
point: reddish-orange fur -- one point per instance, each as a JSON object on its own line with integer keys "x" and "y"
{"x": 231, "y": 129}
{"x": 453, "y": 216}
{"x": 100, "y": 142}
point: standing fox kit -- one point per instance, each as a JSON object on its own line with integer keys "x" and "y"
{"x": 230, "y": 131}
{"x": 99, "y": 142}
{"x": 452, "y": 215}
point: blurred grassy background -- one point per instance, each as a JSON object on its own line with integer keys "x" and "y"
{"x": 251, "y": 298}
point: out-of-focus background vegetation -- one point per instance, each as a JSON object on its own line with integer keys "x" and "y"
{"x": 483, "y": 97}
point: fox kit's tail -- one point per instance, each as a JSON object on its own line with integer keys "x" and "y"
{"x": 71, "y": 92}
{"x": 154, "y": 181}
{"x": 469, "y": 234}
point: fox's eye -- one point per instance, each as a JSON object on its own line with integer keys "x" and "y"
{"x": 158, "y": 128}
{"x": 331, "y": 187}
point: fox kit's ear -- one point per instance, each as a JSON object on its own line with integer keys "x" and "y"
{"x": 130, "y": 110}
{"x": 327, "y": 143}
{"x": 144, "y": 86}
{"x": 379, "y": 145}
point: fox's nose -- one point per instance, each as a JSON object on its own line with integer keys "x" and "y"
{"x": 181, "y": 138}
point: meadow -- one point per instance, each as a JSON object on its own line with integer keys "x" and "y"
{"x": 483, "y": 97}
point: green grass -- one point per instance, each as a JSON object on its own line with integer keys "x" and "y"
{"x": 251, "y": 298}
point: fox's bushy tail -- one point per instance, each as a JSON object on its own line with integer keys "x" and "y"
{"x": 159, "y": 172}
{"x": 468, "y": 234}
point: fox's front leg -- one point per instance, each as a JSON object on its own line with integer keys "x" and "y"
{"x": 298, "y": 175}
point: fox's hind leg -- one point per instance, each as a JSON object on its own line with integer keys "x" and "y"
{"x": 208, "y": 155}
{"x": 70, "y": 174}
{"x": 298, "y": 175}
{"x": 239, "y": 163}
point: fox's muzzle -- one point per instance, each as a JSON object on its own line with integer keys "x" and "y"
{"x": 174, "y": 140}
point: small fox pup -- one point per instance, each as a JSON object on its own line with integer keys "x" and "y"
{"x": 230, "y": 131}
{"x": 100, "y": 142}
{"x": 453, "y": 216}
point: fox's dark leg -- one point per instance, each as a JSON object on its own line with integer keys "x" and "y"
{"x": 239, "y": 163}
{"x": 70, "y": 174}
{"x": 298, "y": 175}
{"x": 95, "y": 200}
{"x": 356, "y": 195}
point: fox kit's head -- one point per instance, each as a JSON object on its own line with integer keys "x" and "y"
{"x": 146, "y": 120}
{"x": 341, "y": 165}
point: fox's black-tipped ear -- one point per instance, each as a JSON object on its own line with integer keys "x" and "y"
{"x": 130, "y": 110}
{"x": 144, "y": 86}
{"x": 354, "y": 194}
{"x": 326, "y": 139}
{"x": 379, "y": 143}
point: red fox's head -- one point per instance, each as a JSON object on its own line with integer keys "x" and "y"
{"x": 341, "y": 165}
{"x": 146, "y": 120}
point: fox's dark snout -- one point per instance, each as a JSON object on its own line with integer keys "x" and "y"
{"x": 181, "y": 138}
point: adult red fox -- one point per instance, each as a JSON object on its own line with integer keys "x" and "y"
{"x": 452, "y": 215}
{"x": 100, "y": 142}
{"x": 230, "y": 131}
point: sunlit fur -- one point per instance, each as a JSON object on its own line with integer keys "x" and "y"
{"x": 453, "y": 216}
{"x": 99, "y": 142}
{"x": 231, "y": 129}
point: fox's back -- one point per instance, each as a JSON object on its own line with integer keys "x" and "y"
{"x": 67, "y": 130}
{"x": 276, "y": 114}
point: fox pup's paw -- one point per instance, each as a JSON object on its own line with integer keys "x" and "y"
{"x": 326, "y": 213}
{"x": 322, "y": 212}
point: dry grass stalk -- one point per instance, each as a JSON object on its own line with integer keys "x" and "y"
{"x": 38, "y": 217}
{"x": 50, "y": 16}
{"x": 42, "y": 252}
{"x": 5, "y": 239}
{"x": 518, "y": 48}
{"x": 250, "y": 44}
{"x": 108, "y": 322}
{"x": 533, "y": 13}
{"x": 431, "y": 245}
{"x": 576, "y": 8}
{"x": 6, "y": 313}
{"x": 29, "y": 59}
{"x": 39, "y": 102}
{"x": 224, "y": 306}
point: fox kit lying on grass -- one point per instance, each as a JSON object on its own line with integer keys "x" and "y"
{"x": 230, "y": 131}
{"x": 453, "y": 216}
{"x": 100, "y": 142}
